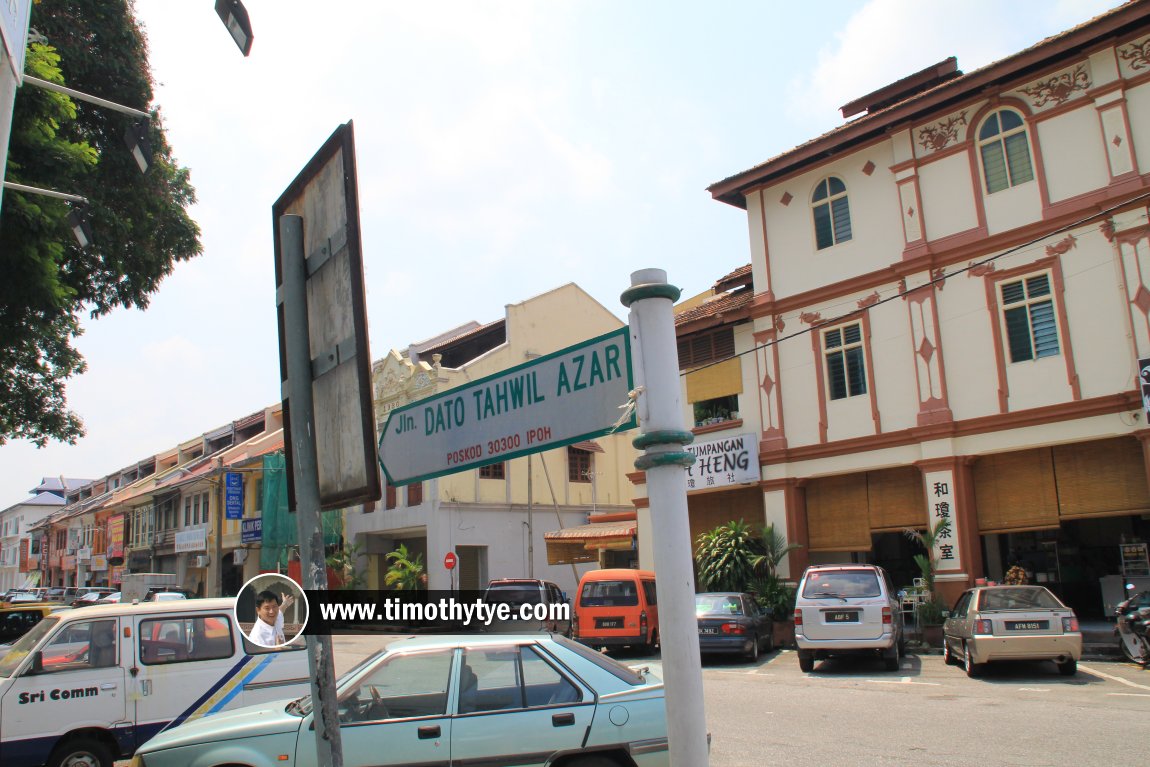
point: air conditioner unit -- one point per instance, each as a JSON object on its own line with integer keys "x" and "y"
{"x": 200, "y": 560}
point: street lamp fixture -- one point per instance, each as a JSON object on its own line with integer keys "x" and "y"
{"x": 235, "y": 18}
{"x": 138, "y": 143}
{"x": 78, "y": 223}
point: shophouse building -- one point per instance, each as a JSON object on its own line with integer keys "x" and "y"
{"x": 951, "y": 297}
{"x": 18, "y": 562}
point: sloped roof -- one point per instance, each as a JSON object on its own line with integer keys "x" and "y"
{"x": 874, "y": 125}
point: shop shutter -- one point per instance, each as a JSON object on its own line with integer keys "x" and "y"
{"x": 467, "y": 560}
{"x": 721, "y": 380}
{"x": 1015, "y": 491}
{"x": 1102, "y": 478}
{"x": 709, "y": 510}
{"x": 837, "y": 517}
{"x": 895, "y": 499}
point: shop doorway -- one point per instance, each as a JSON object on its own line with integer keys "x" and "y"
{"x": 895, "y": 553}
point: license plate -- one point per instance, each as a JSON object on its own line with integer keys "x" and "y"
{"x": 608, "y": 623}
{"x": 1027, "y": 625}
{"x": 842, "y": 616}
{"x": 708, "y": 630}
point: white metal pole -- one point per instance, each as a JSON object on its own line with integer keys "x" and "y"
{"x": 651, "y": 301}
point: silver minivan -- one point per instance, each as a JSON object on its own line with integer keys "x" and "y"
{"x": 847, "y": 609}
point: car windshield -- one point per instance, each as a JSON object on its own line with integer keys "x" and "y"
{"x": 717, "y": 604}
{"x": 10, "y": 662}
{"x": 609, "y": 594}
{"x": 842, "y": 583}
{"x": 1026, "y": 598}
{"x": 302, "y": 706}
{"x": 513, "y": 595}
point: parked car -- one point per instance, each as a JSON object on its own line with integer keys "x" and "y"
{"x": 16, "y": 621}
{"x": 617, "y": 607}
{"x": 549, "y": 608}
{"x": 996, "y": 623}
{"x": 531, "y": 699}
{"x": 111, "y": 599}
{"x": 20, "y": 597}
{"x": 730, "y": 622}
{"x": 847, "y": 609}
{"x": 165, "y": 596}
{"x": 91, "y": 597}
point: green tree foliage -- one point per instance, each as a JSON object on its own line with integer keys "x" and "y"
{"x": 405, "y": 572}
{"x": 140, "y": 222}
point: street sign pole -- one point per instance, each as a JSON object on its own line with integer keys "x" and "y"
{"x": 313, "y": 572}
{"x": 651, "y": 301}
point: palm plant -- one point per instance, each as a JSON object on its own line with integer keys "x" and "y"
{"x": 928, "y": 539}
{"x": 723, "y": 556}
{"x": 773, "y": 547}
{"x": 405, "y": 571}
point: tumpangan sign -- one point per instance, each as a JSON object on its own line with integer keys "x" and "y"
{"x": 559, "y": 399}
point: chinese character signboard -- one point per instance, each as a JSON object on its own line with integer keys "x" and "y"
{"x": 116, "y": 537}
{"x": 940, "y": 508}
{"x": 1144, "y": 384}
{"x": 24, "y": 555}
{"x": 1135, "y": 562}
{"x": 234, "y": 495}
{"x": 722, "y": 462}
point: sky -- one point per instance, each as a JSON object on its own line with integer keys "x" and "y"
{"x": 503, "y": 148}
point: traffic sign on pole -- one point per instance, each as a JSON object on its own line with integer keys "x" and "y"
{"x": 449, "y": 560}
{"x": 569, "y": 396}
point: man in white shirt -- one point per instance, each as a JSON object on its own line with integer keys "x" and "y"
{"x": 268, "y": 631}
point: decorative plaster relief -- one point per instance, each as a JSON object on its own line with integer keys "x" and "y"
{"x": 942, "y": 134}
{"x": 1135, "y": 57}
{"x": 1062, "y": 246}
{"x": 811, "y": 318}
{"x": 1059, "y": 88}
{"x": 869, "y": 301}
{"x": 981, "y": 270}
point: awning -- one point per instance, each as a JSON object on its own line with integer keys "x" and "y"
{"x": 590, "y": 446}
{"x": 582, "y": 543}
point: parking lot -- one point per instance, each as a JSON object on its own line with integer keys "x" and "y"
{"x": 852, "y": 712}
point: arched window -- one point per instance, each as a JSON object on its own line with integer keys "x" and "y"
{"x": 1005, "y": 151}
{"x": 832, "y": 213}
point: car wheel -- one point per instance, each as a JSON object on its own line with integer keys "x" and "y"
{"x": 806, "y": 661}
{"x": 947, "y": 656}
{"x": 972, "y": 669}
{"x": 1069, "y": 668}
{"x": 753, "y": 654}
{"x": 770, "y": 641}
{"x": 650, "y": 646}
{"x": 890, "y": 658}
{"x": 81, "y": 752}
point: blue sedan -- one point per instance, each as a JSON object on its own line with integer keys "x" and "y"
{"x": 460, "y": 700}
{"x": 733, "y": 622}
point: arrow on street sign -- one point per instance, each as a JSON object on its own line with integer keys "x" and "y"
{"x": 559, "y": 399}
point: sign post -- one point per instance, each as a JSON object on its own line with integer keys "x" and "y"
{"x": 651, "y": 301}
{"x": 559, "y": 399}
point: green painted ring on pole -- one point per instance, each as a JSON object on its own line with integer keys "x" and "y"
{"x": 666, "y": 437}
{"x": 673, "y": 458}
{"x": 650, "y": 290}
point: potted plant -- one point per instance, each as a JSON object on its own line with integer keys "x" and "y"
{"x": 929, "y": 613}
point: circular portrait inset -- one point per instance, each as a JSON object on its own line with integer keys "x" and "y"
{"x": 271, "y": 609}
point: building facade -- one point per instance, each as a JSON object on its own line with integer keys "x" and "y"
{"x": 951, "y": 299}
{"x": 494, "y": 519}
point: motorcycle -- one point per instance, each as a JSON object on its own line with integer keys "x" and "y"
{"x": 1133, "y": 627}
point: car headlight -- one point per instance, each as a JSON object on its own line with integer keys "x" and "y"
{"x": 137, "y": 761}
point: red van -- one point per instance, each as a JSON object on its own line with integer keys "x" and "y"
{"x": 617, "y": 608}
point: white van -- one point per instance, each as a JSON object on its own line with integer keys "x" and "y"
{"x": 90, "y": 686}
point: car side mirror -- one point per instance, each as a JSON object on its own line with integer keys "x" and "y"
{"x": 37, "y": 666}
{"x": 945, "y": 614}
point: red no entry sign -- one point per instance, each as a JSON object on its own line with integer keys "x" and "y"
{"x": 449, "y": 560}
